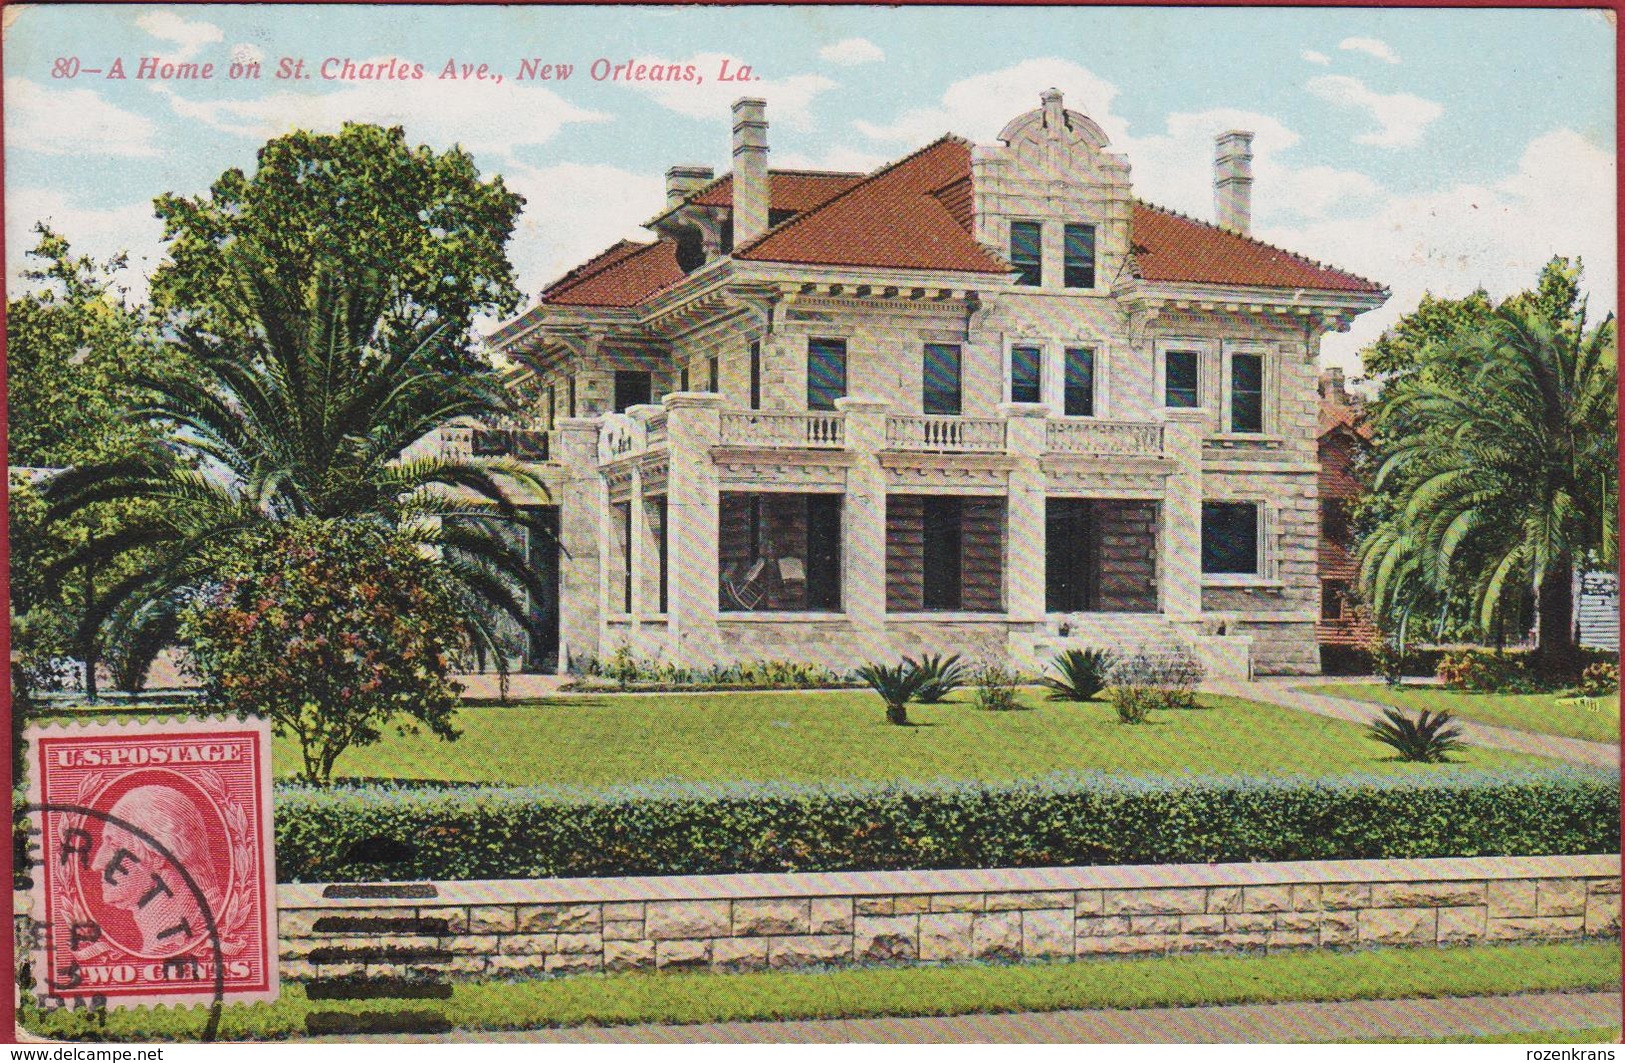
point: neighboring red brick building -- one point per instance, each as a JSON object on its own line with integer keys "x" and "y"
{"x": 1343, "y": 630}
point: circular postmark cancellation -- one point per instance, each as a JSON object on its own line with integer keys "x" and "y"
{"x": 153, "y": 878}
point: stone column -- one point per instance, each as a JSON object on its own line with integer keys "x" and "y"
{"x": 581, "y": 548}
{"x": 693, "y": 427}
{"x": 1026, "y": 438}
{"x": 863, "y": 523}
{"x": 1179, "y": 555}
{"x": 641, "y": 557}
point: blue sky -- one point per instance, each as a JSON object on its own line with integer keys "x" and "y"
{"x": 1428, "y": 149}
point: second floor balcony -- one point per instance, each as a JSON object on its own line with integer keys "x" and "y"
{"x": 867, "y": 426}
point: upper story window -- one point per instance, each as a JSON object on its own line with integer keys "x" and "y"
{"x": 1230, "y": 538}
{"x": 1026, "y": 374}
{"x": 682, "y": 379}
{"x": 826, "y": 373}
{"x": 713, "y": 370}
{"x": 633, "y": 387}
{"x": 1246, "y": 392}
{"x": 1078, "y": 259}
{"x": 941, "y": 379}
{"x": 1027, "y": 252}
{"x": 1079, "y": 397}
{"x": 552, "y": 406}
{"x": 755, "y": 375}
{"x": 1180, "y": 377}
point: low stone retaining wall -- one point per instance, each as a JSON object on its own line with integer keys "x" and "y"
{"x": 756, "y": 922}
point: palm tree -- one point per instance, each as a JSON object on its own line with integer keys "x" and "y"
{"x": 324, "y": 414}
{"x": 1504, "y": 476}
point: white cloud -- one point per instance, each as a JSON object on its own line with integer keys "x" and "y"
{"x": 838, "y": 157}
{"x": 789, "y": 99}
{"x": 1318, "y": 58}
{"x": 99, "y": 233}
{"x": 1402, "y": 118}
{"x": 247, "y": 53}
{"x": 190, "y": 38}
{"x": 572, "y": 212}
{"x": 979, "y": 106}
{"x": 853, "y": 51}
{"x": 1175, "y": 168}
{"x": 1559, "y": 200}
{"x": 73, "y": 122}
{"x": 481, "y": 116}
{"x": 1371, "y": 46}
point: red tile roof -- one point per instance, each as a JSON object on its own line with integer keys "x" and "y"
{"x": 796, "y": 190}
{"x": 894, "y": 218}
{"x": 917, "y": 214}
{"x": 1168, "y": 246}
{"x": 624, "y": 275}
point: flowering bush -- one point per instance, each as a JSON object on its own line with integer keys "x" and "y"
{"x": 1487, "y": 671}
{"x": 1599, "y": 679}
{"x": 331, "y": 630}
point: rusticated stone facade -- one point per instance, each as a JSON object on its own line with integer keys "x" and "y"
{"x": 763, "y": 922}
{"x": 937, "y": 398}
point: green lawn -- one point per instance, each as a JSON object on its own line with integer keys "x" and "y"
{"x": 959, "y": 990}
{"x": 1542, "y": 713}
{"x": 808, "y": 737}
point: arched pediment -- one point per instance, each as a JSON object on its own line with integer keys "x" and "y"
{"x": 1053, "y": 121}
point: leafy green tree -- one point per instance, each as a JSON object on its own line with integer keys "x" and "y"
{"x": 73, "y": 349}
{"x": 331, "y": 629}
{"x": 358, "y": 201}
{"x": 1496, "y": 468}
{"x": 324, "y": 412}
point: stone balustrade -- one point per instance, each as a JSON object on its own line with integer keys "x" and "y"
{"x": 948, "y": 435}
{"x": 1089, "y": 436}
{"x": 755, "y": 922}
{"x": 783, "y": 428}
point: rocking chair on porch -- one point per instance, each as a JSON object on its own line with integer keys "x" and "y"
{"x": 746, "y": 593}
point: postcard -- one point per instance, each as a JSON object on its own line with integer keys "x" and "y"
{"x": 656, "y": 524}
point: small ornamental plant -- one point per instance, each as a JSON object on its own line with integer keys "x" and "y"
{"x": 332, "y": 630}
{"x": 942, "y": 675}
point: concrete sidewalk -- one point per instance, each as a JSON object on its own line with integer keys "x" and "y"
{"x": 1284, "y": 692}
{"x": 1227, "y": 1024}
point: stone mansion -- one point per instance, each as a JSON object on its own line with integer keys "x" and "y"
{"x": 981, "y": 400}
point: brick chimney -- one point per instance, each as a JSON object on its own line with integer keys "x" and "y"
{"x": 750, "y": 170}
{"x": 684, "y": 181}
{"x": 1233, "y": 181}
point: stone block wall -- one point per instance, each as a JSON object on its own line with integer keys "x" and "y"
{"x": 763, "y": 922}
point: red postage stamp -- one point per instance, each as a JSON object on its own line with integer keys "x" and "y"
{"x": 153, "y": 878}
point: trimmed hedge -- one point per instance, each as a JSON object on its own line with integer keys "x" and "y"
{"x": 388, "y": 832}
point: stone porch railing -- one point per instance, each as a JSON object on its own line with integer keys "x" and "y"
{"x": 752, "y": 922}
{"x": 644, "y": 428}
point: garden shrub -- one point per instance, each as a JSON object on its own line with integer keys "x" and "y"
{"x": 1599, "y": 679}
{"x": 1080, "y": 674}
{"x": 1428, "y": 738}
{"x": 1143, "y": 682}
{"x": 332, "y": 630}
{"x": 501, "y": 832}
{"x": 625, "y": 671}
{"x": 995, "y": 688}
{"x": 942, "y": 675}
{"x": 1487, "y": 671}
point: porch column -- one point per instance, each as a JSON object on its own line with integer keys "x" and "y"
{"x": 582, "y": 501}
{"x": 1179, "y": 560}
{"x": 693, "y": 427}
{"x": 641, "y": 558}
{"x": 1026, "y": 437}
{"x": 863, "y": 554}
